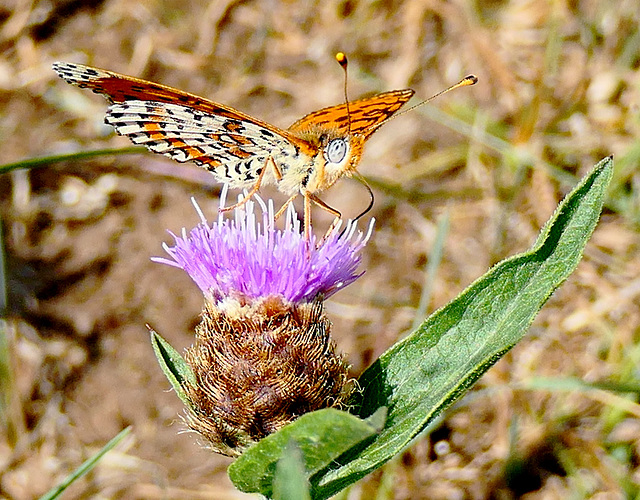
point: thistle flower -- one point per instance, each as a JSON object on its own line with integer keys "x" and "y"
{"x": 243, "y": 258}
{"x": 263, "y": 354}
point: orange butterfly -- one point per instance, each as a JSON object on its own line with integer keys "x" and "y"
{"x": 239, "y": 150}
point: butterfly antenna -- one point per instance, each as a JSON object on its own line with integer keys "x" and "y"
{"x": 465, "y": 82}
{"x": 342, "y": 61}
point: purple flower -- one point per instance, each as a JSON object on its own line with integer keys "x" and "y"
{"x": 243, "y": 257}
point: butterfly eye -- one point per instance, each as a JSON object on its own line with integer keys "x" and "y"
{"x": 336, "y": 150}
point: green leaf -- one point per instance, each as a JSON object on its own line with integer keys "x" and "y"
{"x": 423, "y": 374}
{"x": 85, "y": 467}
{"x": 321, "y": 436}
{"x": 290, "y": 481}
{"x": 174, "y": 367}
{"x": 45, "y": 161}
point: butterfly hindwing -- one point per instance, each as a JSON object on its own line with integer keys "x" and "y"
{"x": 234, "y": 150}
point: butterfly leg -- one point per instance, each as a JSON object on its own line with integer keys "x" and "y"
{"x": 313, "y": 198}
{"x": 323, "y": 205}
{"x": 278, "y": 174}
{"x": 252, "y": 191}
{"x": 276, "y": 169}
{"x": 284, "y": 207}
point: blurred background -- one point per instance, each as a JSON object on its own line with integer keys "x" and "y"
{"x": 559, "y": 90}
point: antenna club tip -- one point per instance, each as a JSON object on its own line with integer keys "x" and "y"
{"x": 342, "y": 59}
{"x": 471, "y": 79}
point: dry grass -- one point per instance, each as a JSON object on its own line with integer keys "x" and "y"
{"x": 559, "y": 89}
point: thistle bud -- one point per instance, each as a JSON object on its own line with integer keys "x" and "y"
{"x": 263, "y": 353}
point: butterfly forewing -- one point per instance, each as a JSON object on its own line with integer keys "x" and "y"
{"x": 365, "y": 115}
{"x": 119, "y": 88}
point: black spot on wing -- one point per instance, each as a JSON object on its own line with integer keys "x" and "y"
{"x": 267, "y": 133}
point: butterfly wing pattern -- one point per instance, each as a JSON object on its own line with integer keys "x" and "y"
{"x": 365, "y": 115}
{"x": 236, "y": 148}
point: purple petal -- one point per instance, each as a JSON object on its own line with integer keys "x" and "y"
{"x": 252, "y": 259}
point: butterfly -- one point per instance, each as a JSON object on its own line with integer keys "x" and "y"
{"x": 238, "y": 149}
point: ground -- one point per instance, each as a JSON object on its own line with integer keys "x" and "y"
{"x": 558, "y": 90}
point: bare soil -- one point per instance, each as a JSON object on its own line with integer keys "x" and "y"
{"x": 558, "y": 87}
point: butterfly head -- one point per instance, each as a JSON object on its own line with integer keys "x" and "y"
{"x": 336, "y": 154}
{"x": 340, "y": 156}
